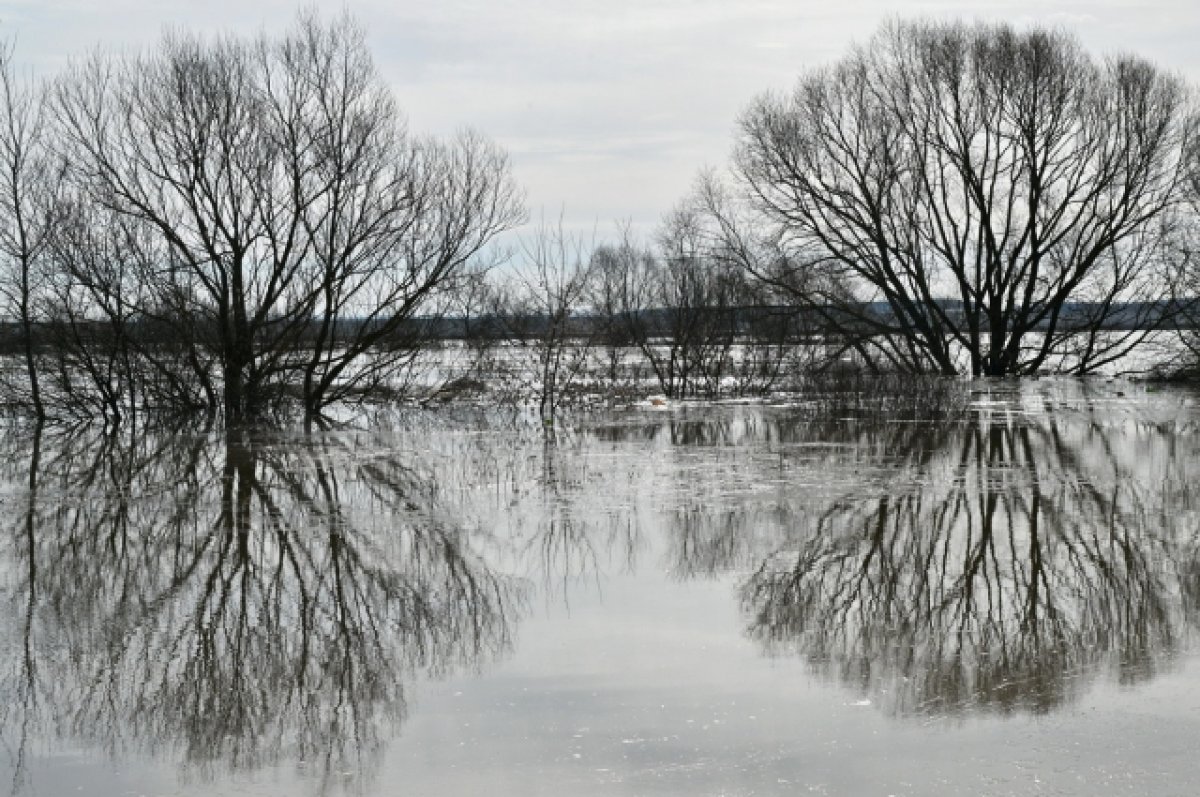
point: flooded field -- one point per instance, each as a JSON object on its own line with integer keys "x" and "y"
{"x": 998, "y": 597}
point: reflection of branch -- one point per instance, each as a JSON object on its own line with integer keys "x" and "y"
{"x": 721, "y": 522}
{"x": 246, "y": 602}
{"x": 998, "y": 578}
{"x": 25, "y": 676}
{"x": 565, "y": 527}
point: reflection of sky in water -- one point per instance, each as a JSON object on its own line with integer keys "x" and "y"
{"x": 711, "y": 600}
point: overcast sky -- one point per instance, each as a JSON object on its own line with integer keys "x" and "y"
{"x": 608, "y": 107}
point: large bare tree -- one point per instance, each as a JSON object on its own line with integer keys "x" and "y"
{"x": 302, "y": 225}
{"x": 1000, "y": 201}
{"x": 393, "y": 218}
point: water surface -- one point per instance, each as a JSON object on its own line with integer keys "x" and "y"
{"x": 1000, "y": 596}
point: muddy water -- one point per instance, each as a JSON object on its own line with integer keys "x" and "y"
{"x": 998, "y": 597}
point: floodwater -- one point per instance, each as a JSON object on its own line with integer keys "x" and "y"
{"x": 999, "y": 598}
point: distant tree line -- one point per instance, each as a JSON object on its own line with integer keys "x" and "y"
{"x": 235, "y": 225}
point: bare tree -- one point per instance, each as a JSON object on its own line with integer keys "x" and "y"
{"x": 673, "y": 302}
{"x": 621, "y": 294}
{"x": 787, "y": 321}
{"x": 393, "y": 218}
{"x": 176, "y": 140}
{"x": 605, "y": 299}
{"x": 28, "y": 181}
{"x": 541, "y": 311}
{"x": 1184, "y": 363}
{"x": 302, "y": 225}
{"x": 1000, "y": 202}
{"x": 678, "y": 306}
{"x": 809, "y": 308}
{"x": 699, "y": 294}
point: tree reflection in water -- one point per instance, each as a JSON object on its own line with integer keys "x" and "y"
{"x": 235, "y": 602}
{"x": 240, "y": 601}
{"x": 1002, "y": 565}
